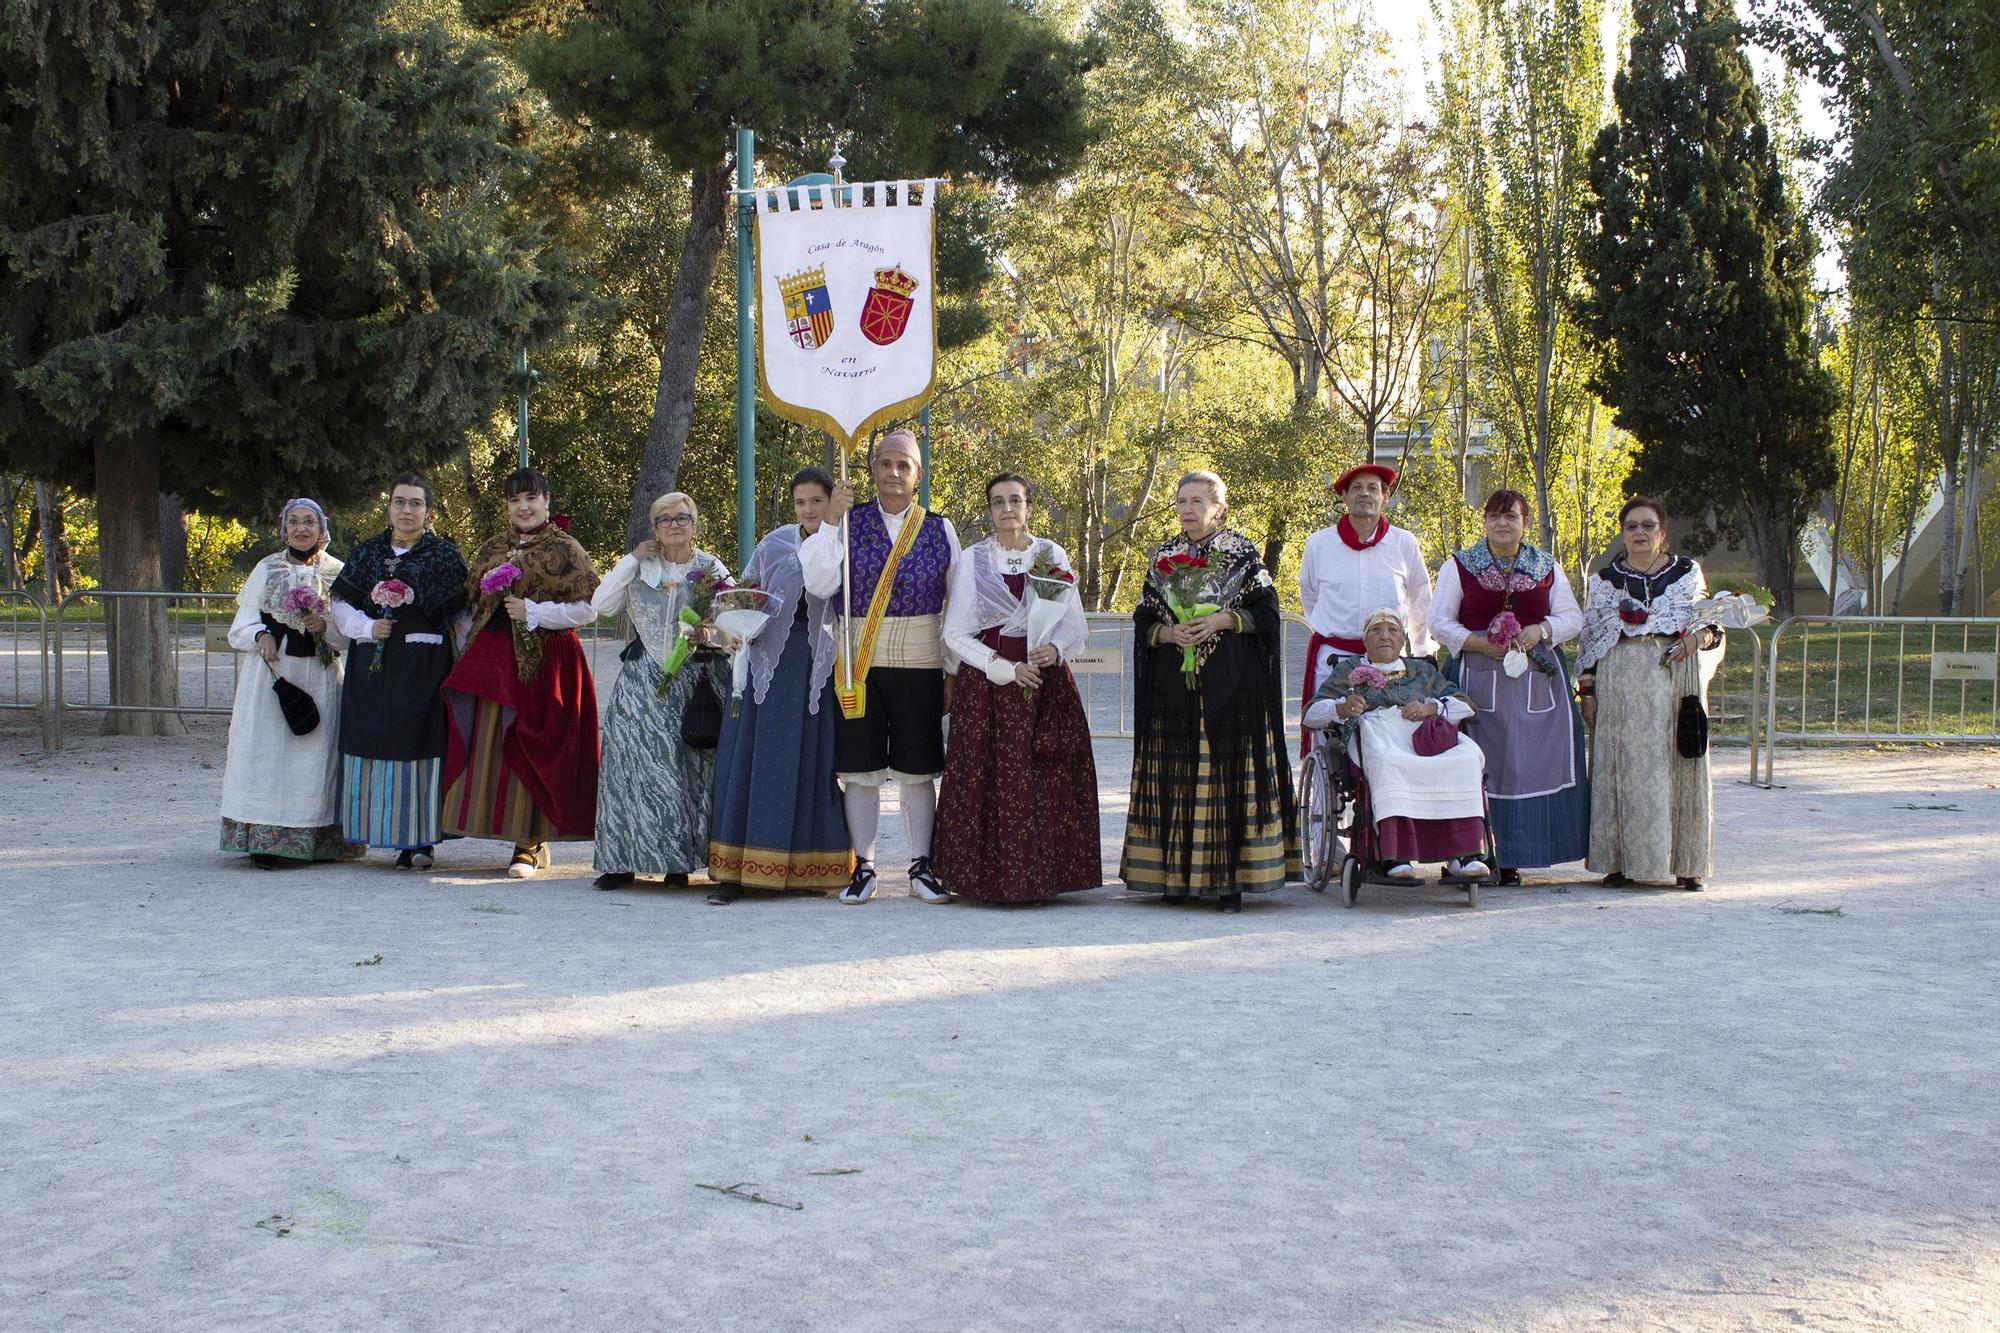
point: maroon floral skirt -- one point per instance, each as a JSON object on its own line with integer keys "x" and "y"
{"x": 1017, "y": 815}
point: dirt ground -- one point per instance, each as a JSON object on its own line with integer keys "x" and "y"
{"x": 349, "y": 1097}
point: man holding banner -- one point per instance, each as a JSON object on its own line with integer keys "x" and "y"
{"x": 902, "y": 566}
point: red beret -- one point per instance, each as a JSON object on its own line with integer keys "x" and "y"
{"x": 1382, "y": 470}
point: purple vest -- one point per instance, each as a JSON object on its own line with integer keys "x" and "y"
{"x": 919, "y": 589}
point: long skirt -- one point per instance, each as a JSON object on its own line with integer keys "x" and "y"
{"x": 1266, "y": 860}
{"x": 279, "y": 791}
{"x": 390, "y": 802}
{"x": 1650, "y": 810}
{"x": 652, "y": 789}
{"x": 1017, "y": 815}
{"x": 522, "y": 762}
{"x": 778, "y": 821}
{"x": 1528, "y": 726}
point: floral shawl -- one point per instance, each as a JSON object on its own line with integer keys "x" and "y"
{"x": 433, "y": 568}
{"x": 1231, "y": 557}
{"x": 1531, "y": 565}
{"x": 554, "y": 568}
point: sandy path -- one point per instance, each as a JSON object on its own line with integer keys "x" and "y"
{"x": 1573, "y": 1108}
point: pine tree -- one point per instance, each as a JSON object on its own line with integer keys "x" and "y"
{"x": 1699, "y": 304}
{"x": 249, "y": 251}
{"x": 980, "y": 88}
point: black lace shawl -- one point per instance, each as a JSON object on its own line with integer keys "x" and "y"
{"x": 1238, "y": 704}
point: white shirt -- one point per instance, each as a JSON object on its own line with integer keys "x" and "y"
{"x": 1339, "y": 586}
{"x": 962, "y": 615}
{"x": 1565, "y": 620}
{"x": 819, "y": 554}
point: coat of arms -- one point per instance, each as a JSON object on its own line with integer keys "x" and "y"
{"x": 887, "y": 311}
{"x": 808, "y": 309}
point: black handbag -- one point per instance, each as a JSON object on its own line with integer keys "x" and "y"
{"x": 1691, "y": 730}
{"x": 301, "y": 713}
{"x": 701, "y": 724}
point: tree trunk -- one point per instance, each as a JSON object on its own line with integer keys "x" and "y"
{"x": 1274, "y": 543}
{"x": 1772, "y": 543}
{"x": 136, "y": 630}
{"x": 174, "y": 544}
{"x": 680, "y": 353}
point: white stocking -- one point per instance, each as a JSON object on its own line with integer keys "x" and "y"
{"x": 864, "y": 818}
{"x": 919, "y": 815}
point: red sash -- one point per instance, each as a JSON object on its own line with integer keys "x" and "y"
{"x": 1352, "y": 647}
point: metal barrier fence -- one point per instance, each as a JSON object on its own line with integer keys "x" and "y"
{"x": 84, "y": 681}
{"x": 1862, "y": 679}
{"x": 27, "y": 690}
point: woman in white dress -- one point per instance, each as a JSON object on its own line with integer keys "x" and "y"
{"x": 279, "y": 790}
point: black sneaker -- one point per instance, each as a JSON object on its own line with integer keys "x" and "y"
{"x": 406, "y": 859}
{"x": 724, "y": 894}
{"x": 924, "y": 882}
{"x": 612, "y": 879}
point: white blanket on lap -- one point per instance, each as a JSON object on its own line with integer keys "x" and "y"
{"x": 1403, "y": 783}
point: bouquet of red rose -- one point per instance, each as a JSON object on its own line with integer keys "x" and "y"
{"x": 1050, "y": 589}
{"x": 391, "y": 595}
{"x": 1192, "y": 588}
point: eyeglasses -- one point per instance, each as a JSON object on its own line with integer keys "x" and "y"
{"x": 1642, "y": 525}
{"x": 1007, "y": 502}
{"x": 400, "y": 503}
{"x": 674, "y": 521}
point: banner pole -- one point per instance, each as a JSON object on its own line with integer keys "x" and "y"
{"x": 924, "y": 455}
{"x": 746, "y": 357}
{"x": 837, "y": 163}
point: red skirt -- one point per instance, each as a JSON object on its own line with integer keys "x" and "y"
{"x": 1017, "y": 815}
{"x": 1400, "y": 838}
{"x": 548, "y": 742}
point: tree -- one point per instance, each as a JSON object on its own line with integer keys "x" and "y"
{"x": 1698, "y": 303}
{"x": 1914, "y": 180}
{"x": 981, "y": 88}
{"x": 250, "y": 250}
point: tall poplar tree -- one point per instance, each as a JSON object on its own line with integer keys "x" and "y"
{"x": 1698, "y": 304}
{"x": 248, "y": 250}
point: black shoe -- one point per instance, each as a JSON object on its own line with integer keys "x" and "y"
{"x": 725, "y": 894}
{"x": 265, "y": 861}
{"x": 674, "y": 881}
{"x": 1690, "y": 883}
{"x": 924, "y": 882}
{"x": 612, "y": 879}
{"x": 861, "y": 887}
{"x": 1230, "y": 902}
{"x": 1509, "y": 878}
{"x": 1614, "y": 880}
{"x": 406, "y": 859}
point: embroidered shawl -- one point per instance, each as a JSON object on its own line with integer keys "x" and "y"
{"x": 554, "y": 568}
{"x": 433, "y": 568}
{"x": 1672, "y": 591}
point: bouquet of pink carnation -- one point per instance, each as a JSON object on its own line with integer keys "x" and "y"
{"x": 1367, "y": 676}
{"x": 1506, "y": 627}
{"x": 301, "y": 602}
{"x": 391, "y": 595}
{"x": 497, "y": 582}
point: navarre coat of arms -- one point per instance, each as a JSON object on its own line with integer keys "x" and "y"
{"x": 887, "y": 311}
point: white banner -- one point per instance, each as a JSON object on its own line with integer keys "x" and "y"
{"x": 846, "y": 313}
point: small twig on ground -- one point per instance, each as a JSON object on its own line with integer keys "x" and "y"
{"x": 1924, "y": 807}
{"x": 277, "y": 1224}
{"x": 1789, "y": 910}
{"x": 495, "y": 908}
{"x": 369, "y": 962}
{"x": 736, "y": 1192}
{"x": 840, "y": 1171}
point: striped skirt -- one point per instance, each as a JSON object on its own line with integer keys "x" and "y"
{"x": 1267, "y": 859}
{"x": 487, "y": 800}
{"x": 390, "y": 802}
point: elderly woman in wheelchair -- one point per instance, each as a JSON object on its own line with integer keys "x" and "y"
{"x": 1389, "y": 742}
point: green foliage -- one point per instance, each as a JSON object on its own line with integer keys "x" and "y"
{"x": 270, "y": 240}
{"x": 1698, "y": 304}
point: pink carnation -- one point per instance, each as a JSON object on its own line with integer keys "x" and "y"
{"x": 498, "y": 579}
{"x": 1503, "y": 629}
{"x": 303, "y": 601}
{"x": 1367, "y": 677}
{"x": 391, "y": 593}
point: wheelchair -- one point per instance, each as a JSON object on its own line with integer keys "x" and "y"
{"x": 1337, "y": 826}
